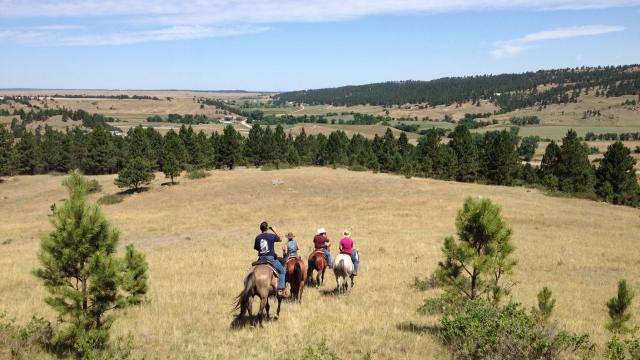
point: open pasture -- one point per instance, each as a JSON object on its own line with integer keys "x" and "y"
{"x": 198, "y": 239}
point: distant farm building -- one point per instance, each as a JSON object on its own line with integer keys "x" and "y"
{"x": 116, "y": 133}
{"x": 229, "y": 120}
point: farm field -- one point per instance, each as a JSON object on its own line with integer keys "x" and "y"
{"x": 198, "y": 239}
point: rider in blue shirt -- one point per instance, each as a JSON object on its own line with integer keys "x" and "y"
{"x": 264, "y": 245}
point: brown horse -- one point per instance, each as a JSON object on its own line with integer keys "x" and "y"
{"x": 317, "y": 262}
{"x": 296, "y": 276}
{"x": 261, "y": 282}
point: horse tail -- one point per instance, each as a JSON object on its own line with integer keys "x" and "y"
{"x": 297, "y": 277}
{"x": 312, "y": 265}
{"x": 243, "y": 297}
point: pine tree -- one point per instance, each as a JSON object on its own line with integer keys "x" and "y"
{"x": 137, "y": 172}
{"x": 280, "y": 142}
{"x": 335, "y": 150}
{"x": 24, "y": 155}
{"x": 101, "y": 153}
{"x": 465, "y": 149}
{"x": 475, "y": 264}
{"x": 138, "y": 146}
{"x": 231, "y": 147}
{"x": 174, "y": 155}
{"x": 203, "y": 155}
{"x": 6, "y": 144}
{"x": 575, "y": 173}
{"x": 527, "y": 148}
{"x": 445, "y": 162}
{"x": 616, "y": 177}
{"x": 501, "y": 163}
{"x": 84, "y": 278}
{"x": 253, "y": 148}
{"x": 618, "y": 308}
{"x": 426, "y": 151}
{"x": 156, "y": 143}
{"x": 188, "y": 140}
{"x": 302, "y": 147}
{"x": 546, "y": 303}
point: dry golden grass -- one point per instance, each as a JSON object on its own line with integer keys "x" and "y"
{"x": 198, "y": 239}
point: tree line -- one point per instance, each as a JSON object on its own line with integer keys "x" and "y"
{"x": 590, "y": 136}
{"x": 495, "y": 157}
{"x": 508, "y": 91}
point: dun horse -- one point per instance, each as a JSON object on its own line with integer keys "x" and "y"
{"x": 296, "y": 276}
{"x": 317, "y": 262}
{"x": 262, "y": 282}
{"x": 343, "y": 269}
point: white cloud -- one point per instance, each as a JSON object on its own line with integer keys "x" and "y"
{"x": 145, "y": 20}
{"x": 516, "y": 46}
{"x": 49, "y": 38}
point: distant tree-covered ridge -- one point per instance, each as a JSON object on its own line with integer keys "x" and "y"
{"x": 507, "y": 91}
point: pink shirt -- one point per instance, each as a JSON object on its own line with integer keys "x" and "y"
{"x": 347, "y": 245}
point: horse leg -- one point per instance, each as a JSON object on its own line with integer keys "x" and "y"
{"x": 278, "y": 310}
{"x": 249, "y": 309}
{"x": 263, "y": 303}
{"x": 267, "y": 307}
{"x": 300, "y": 292}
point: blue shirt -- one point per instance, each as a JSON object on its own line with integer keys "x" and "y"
{"x": 264, "y": 244}
{"x": 292, "y": 248}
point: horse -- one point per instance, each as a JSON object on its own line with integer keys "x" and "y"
{"x": 317, "y": 261}
{"x": 262, "y": 282}
{"x": 296, "y": 276}
{"x": 343, "y": 269}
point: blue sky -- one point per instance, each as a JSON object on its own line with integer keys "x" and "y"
{"x": 299, "y": 44}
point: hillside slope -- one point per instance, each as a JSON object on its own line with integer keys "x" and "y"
{"x": 198, "y": 239}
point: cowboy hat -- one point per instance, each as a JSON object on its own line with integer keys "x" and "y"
{"x": 290, "y": 235}
{"x": 321, "y": 231}
{"x": 346, "y": 233}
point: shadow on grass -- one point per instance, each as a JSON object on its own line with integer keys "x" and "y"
{"x": 133, "y": 191}
{"x": 241, "y": 322}
{"x": 333, "y": 293}
{"x": 169, "y": 183}
{"x": 418, "y": 328}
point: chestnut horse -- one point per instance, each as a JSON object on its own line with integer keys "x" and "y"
{"x": 317, "y": 262}
{"x": 261, "y": 282}
{"x": 296, "y": 276}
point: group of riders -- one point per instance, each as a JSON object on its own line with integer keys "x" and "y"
{"x": 265, "y": 246}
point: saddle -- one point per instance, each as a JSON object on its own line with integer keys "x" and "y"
{"x": 319, "y": 252}
{"x": 292, "y": 258}
{"x": 263, "y": 262}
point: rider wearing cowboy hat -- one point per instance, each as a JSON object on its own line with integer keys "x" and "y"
{"x": 321, "y": 242}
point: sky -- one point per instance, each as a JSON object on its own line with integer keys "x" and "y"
{"x": 280, "y": 45}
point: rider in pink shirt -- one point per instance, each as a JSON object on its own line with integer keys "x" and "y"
{"x": 346, "y": 247}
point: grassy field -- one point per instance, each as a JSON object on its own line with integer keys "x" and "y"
{"x": 198, "y": 239}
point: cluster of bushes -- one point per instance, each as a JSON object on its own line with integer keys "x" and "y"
{"x": 189, "y": 119}
{"x": 88, "y": 120}
{"x": 475, "y": 323}
{"x": 524, "y": 120}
